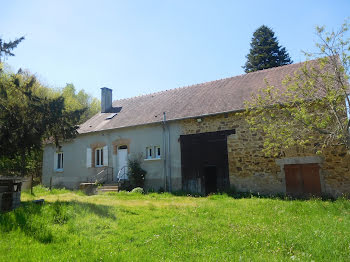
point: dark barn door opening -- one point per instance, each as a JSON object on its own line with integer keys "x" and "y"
{"x": 210, "y": 179}
{"x": 204, "y": 162}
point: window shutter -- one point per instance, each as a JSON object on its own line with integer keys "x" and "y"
{"x": 55, "y": 158}
{"x": 88, "y": 157}
{"x": 105, "y": 155}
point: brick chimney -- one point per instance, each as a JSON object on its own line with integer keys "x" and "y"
{"x": 106, "y": 100}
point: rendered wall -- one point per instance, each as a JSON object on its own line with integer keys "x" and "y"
{"x": 138, "y": 138}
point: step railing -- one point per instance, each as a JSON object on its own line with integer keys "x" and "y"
{"x": 105, "y": 175}
{"x": 122, "y": 174}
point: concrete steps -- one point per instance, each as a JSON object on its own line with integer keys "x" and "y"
{"x": 108, "y": 188}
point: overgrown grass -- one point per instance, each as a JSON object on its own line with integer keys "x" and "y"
{"x": 70, "y": 226}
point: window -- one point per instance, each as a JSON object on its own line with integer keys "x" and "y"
{"x": 58, "y": 161}
{"x": 157, "y": 151}
{"x": 149, "y": 153}
{"x": 153, "y": 153}
{"x": 96, "y": 157}
{"x": 99, "y": 157}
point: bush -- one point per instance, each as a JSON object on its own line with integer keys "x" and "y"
{"x": 136, "y": 173}
{"x": 137, "y": 190}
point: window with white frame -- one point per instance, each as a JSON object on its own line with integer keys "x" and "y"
{"x": 153, "y": 152}
{"x": 149, "y": 153}
{"x": 99, "y": 157}
{"x": 157, "y": 151}
{"x": 58, "y": 161}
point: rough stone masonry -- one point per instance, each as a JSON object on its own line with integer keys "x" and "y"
{"x": 249, "y": 168}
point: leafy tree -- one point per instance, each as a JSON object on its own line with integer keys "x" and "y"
{"x": 265, "y": 51}
{"x": 26, "y": 119}
{"x": 80, "y": 100}
{"x": 7, "y": 47}
{"x": 313, "y": 109}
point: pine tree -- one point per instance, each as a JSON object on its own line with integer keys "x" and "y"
{"x": 7, "y": 47}
{"x": 265, "y": 51}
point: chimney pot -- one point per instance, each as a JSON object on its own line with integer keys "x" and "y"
{"x": 106, "y": 100}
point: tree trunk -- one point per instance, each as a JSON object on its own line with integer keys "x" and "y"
{"x": 23, "y": 163}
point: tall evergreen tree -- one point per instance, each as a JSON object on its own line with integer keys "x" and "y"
{"x": 265, "y": 52}
{"x": 7, "y": 47}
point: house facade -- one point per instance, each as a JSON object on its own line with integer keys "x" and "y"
{"x": 194, "y": 139}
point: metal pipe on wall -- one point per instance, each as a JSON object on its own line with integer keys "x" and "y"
{"x": 169, "y": 159}
{"x": 164, "y": 151}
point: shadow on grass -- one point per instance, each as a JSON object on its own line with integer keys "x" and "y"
{"x": 244, "y": 195}
{"x": 37, "y": 220}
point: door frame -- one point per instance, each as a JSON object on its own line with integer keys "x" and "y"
{"x": 303, "y": 180}
{"x": 118, "y": 155}
{"x": 300, "y": 161}
{"x": 192, "y": 164}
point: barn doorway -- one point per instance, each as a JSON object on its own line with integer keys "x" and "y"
{"x": 204, "y": 162}
{"x": 210, "y": 179}
{"x": 303, "y": 180}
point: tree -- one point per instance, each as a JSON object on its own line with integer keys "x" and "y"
{"x": 7, "y": 47}
{"x": 80, "y": 100}
{"x": 313, "y": 108}
{"x": 265, "y": 51}
{"x": 27, "y": 119}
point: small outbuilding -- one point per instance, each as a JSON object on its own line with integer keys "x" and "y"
{"x": 10, "y": 193}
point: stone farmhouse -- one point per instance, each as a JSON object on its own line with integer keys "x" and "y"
{"x": 193, "y": 139}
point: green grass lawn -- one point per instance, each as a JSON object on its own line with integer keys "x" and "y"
{"x": 70, "y": 226}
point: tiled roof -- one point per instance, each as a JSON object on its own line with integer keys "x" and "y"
{"x": 224, "y": 95}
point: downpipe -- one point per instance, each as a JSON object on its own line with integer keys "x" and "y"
{"x": 164, "y": 151}
{"x": 167, "y": 155}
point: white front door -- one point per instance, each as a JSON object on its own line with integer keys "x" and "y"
{"x": 122, "y": 159}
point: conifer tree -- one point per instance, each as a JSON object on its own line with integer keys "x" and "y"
{"x": 315, "y": 110}
{"x": 7, "y": 47}
{"x": 265, "y": 52}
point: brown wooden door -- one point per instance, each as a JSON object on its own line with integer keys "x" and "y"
{"x": 311, "y": 179}
{"x": 302, "y": 180}
{"x": 294, "y": 182}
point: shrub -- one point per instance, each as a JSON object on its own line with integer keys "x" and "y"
{"x": 136, "y": 173}
{"x": 137, "y": 190}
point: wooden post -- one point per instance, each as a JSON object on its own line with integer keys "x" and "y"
{"x": 31, "y": 185}
{"x": 50, "y": 183}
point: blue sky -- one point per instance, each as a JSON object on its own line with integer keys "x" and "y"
{"x": 139, "y": 47}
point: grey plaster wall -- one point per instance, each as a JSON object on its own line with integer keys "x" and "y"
{"x": 75, "y": 170}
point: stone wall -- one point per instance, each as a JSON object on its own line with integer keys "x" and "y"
{"x": 251, "y": 170}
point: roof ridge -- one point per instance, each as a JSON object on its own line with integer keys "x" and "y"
{"x": 137, "y": 96}
{"x": 213, "y": 81}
